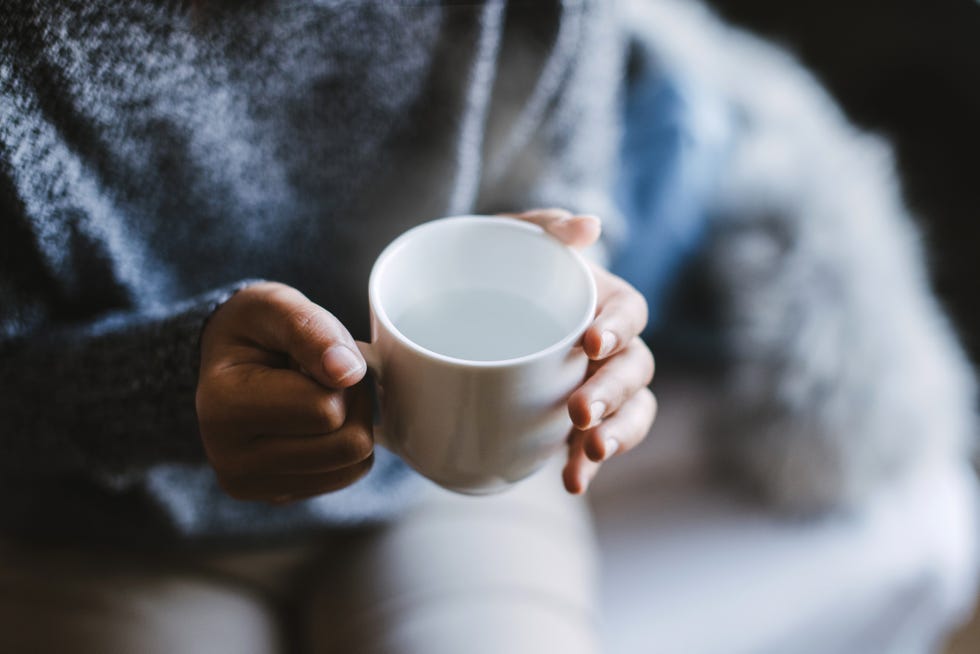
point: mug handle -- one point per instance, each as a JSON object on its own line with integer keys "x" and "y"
{"x": 370, "y": 354}
{"x": 371, "y": 357}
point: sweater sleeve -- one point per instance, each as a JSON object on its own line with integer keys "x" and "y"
{"x": 108, "y": 397}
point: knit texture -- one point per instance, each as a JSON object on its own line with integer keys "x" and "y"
{"x": 155, "y": 157}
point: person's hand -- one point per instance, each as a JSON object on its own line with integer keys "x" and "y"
{"x": 613, "y": 409}
{"x": 280, "y": 416}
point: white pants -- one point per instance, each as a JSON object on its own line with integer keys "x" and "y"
{"x": 510, "y": 574}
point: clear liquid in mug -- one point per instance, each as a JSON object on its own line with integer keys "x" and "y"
{"x": 479, "y": 325}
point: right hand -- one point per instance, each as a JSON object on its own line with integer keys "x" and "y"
{"x": 280, "y": 412}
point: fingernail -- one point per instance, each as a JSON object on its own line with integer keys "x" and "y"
{"x": 596, "y": 411}
{"x": 562, "y": 226}
{"x": 340, "y": 362}
{"x": 558, "y": 215}
{"x": 612, "y": 446}
{"x": 608, "y": 343}
{"x": 583, "y": 482}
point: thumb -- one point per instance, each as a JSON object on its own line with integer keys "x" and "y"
{"x": 577, "y": 231}
{"x": 286, "y": 321}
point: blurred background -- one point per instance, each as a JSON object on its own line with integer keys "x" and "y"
{"x": 908, "y": 70}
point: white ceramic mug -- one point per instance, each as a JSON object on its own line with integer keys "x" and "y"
{"x": 477, "y": 424}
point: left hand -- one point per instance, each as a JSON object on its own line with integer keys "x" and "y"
{"x": 613, "y": 410}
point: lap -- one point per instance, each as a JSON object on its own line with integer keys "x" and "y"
{"x": 105, "y": 603}
{"x": 513, "y": 572}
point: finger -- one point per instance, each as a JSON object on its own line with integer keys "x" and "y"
{"x": 285, "y": 488}
{"x": 284, "y": 320}
{"x": 623, "y": 430}
{"x": 579, "y": 470}
{"x": 572, "y": 230}
{"x": 622, "y": 314}
{"x": 348, "y": 445}
{"x": 611, "y": 385}
{"x": 255, "y": 399}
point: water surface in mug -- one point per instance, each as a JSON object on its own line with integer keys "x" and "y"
{"x": 479, "y": 325}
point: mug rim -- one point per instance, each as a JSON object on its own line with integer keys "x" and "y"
{"x": 402, "y": 241}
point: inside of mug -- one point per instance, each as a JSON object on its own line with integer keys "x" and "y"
{"x": 505, "y": 277}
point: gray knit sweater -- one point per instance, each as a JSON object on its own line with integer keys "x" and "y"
{"x": 154, "y": 157}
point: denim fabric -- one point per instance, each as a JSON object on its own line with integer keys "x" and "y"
{"x": 675, "y": 142}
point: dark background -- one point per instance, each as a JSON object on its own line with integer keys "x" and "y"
{"x": 910, "y": 71}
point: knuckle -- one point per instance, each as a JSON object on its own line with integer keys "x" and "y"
{"x": 614, "y": 386}
{"x": 643, "y": 309}
{"x": 636, "y": 297}
{"x": 649, "y": 363}
{"x": 311, "y": 322}
{"x": 356, "y": 446}
{"x": 330, "y": 411}
{"x": 303, "y": 319}
{"x": 274, "y": 298}
{"x": 650, "y": 402}
{"x": 654, "y": 403}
